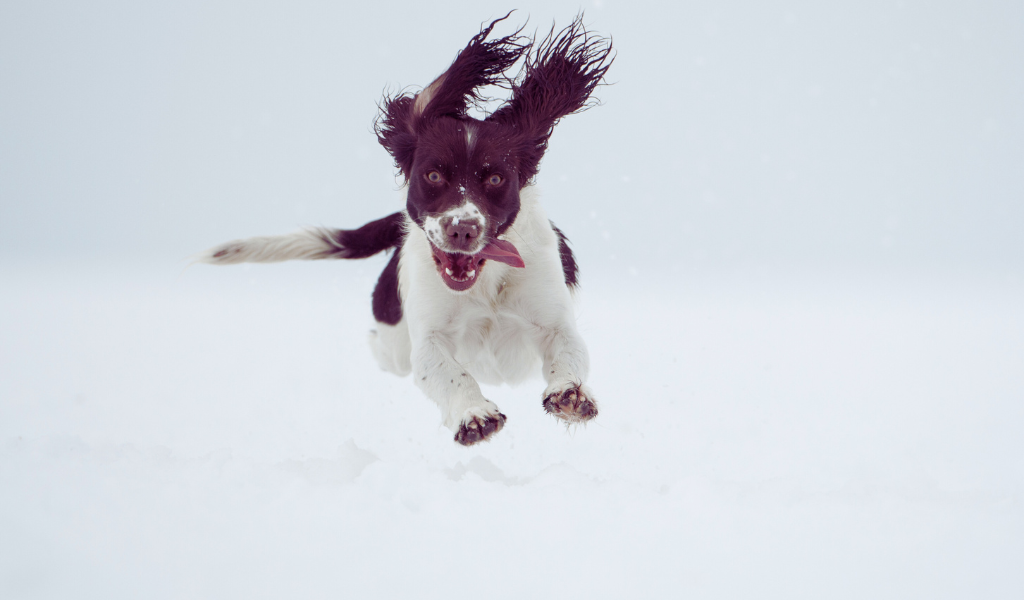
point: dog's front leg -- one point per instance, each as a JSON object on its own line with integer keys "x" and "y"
{"x": 566, "y": 365}
{"x": 466, "y": 412}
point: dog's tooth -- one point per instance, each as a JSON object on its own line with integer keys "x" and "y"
{"x": 448, "y": 271}
{"x": 471, "y": 274}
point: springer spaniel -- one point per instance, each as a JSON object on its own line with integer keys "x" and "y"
{"x": 479, "y": 287}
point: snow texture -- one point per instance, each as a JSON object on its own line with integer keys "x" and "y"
{"x": 225, "y": 433}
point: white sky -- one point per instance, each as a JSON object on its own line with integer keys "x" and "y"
{"x": 737, "y": 133}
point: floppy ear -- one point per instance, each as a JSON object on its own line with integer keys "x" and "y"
{"x": 396, "y": 130}
{"x": 479, "y": 64}
{"x": 557, "y": 81}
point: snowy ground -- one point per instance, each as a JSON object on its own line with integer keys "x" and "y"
{"x": 223, "y": 433}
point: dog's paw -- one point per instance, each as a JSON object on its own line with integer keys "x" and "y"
{"x": 477, "y": 428}
{"x": 573, "y": 404}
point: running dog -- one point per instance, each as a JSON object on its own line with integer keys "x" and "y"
{"x": 478, "y": 288}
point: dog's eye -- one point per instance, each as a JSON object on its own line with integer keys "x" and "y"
{"x": 433, "y": 177}
{"x": 495, "y": 180}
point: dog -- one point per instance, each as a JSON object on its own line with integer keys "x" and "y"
{"x": 479, "y": 286}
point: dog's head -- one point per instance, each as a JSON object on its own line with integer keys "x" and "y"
{"x": 465, "y": 174}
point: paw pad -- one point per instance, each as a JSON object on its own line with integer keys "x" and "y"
{"x": 572, "y": 406}
{"x": 478, "y": 429}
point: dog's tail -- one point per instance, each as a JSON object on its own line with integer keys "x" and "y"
{"x": 311, "y": 244}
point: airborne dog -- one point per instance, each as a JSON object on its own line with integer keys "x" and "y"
{"x": 478, "y": 288}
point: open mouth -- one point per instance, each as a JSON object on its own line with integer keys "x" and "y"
{"x": 460, "y": 271}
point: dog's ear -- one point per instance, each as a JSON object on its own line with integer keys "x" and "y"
{"x": 557, "y": 80}
{"x": 479, "y": 64}
{"x": 396, "y": 129}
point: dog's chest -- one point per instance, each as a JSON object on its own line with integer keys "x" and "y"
{"x": 494, "y": 340}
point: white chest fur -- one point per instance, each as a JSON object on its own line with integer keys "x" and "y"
{"x": 494, "y": 340}
{"x": 498, "y": 329}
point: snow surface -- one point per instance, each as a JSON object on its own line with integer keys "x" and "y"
{"x": 224, "y": 433}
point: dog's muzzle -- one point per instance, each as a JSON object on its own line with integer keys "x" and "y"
{"x": 459, "y": 271}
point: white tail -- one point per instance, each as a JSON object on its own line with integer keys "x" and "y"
{"x": 308, "y": 244}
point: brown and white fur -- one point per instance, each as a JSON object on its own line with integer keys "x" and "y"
{"x": 478, "y": 289}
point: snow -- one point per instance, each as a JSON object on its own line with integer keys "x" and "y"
{"x": 223, "y": 432}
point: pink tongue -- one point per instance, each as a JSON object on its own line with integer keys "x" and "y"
{"x": 502, "y": 251}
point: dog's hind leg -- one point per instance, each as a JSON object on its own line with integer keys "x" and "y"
{"x": 392, "y": 348}
{"x": 389, "y": 341}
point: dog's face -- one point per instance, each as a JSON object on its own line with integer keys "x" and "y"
{"x": 464, "y": 192}
{"x": 465, "y": 174}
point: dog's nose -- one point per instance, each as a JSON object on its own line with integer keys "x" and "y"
{"x": 462, "y": 233}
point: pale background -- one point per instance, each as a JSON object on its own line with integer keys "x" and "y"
{"x": 799, "y": 229}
